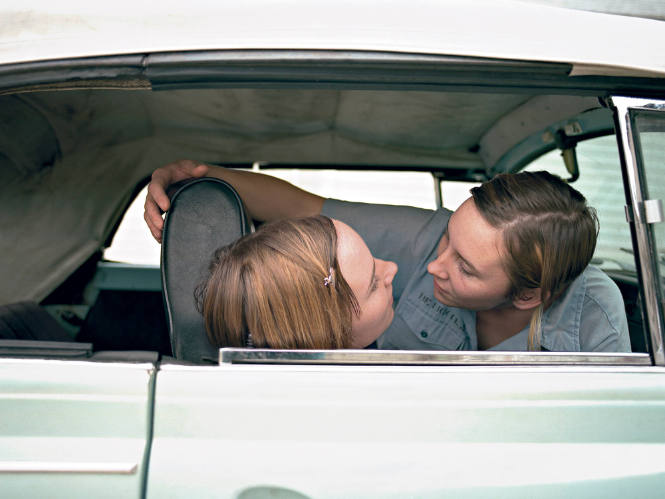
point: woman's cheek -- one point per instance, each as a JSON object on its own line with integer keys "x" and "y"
{"x": 462, "y": 284}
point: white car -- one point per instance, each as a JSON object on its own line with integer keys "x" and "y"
{"x": 93, "y": 401}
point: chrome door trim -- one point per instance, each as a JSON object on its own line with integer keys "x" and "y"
{"x": 427, "y": 358}
{"x": 67, "y": 467}
{"x": 648, "y": 259}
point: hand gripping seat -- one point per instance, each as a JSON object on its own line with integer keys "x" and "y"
{"x": 205, "y": 214}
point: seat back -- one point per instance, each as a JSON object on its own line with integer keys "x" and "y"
{"x": 205, "y": 214}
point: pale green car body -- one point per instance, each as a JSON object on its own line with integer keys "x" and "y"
{"x": 395, "y": 81}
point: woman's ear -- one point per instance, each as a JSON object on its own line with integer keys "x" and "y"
{"x": 528, "y": 299}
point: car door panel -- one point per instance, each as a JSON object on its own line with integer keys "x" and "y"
{"x": 74, "y": 429}
{"x": 341, "y": 431}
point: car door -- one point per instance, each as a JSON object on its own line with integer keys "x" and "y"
{"x": 465, "y": 429}
{"x": 74, "y": 428}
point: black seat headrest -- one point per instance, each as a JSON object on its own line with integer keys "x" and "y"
{"x": 205, "y": 213}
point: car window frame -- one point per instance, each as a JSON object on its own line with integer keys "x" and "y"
{"x": 632, "y": 165}
{"x": 160, "y": 71}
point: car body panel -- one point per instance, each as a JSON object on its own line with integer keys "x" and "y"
{"x": 353, "y": 431}
{"x": 34, "y": 31}
{"x": 74, "y": 429}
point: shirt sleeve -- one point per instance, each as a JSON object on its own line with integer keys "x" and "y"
{"x": 402, "y": 234}
{"x": 604, "y": 325}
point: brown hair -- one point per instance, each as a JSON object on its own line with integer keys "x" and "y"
{"x": 270, "y": 285}
{"x": 549, "y": 233}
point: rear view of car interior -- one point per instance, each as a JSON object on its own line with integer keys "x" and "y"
{"x": 73, "y": 161}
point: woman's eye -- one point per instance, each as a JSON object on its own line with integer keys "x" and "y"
{"x": 462, "y": 269}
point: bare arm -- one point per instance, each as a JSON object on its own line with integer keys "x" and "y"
{"x": 266, "y": 198}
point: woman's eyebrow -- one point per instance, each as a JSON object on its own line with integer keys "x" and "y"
{"x": 371, "y": 280}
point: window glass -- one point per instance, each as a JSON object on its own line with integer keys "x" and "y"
{"x": 399, "y": 188}
{"x": 133, "y": 243}
{"x": 455, "y": 193}
{"x": 601, "y": 183}
{"x": 651, "y": 129}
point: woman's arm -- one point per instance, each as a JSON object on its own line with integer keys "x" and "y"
{"x": 266, "y": 198}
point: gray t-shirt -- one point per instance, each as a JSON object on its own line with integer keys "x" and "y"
{"x": 589, "y": 316}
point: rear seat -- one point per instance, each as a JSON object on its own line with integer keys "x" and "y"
{"x": 29, "y": 331}
{"x": 26, "y": 320}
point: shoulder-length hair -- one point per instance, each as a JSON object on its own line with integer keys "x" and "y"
{"x": 280, "y": 287}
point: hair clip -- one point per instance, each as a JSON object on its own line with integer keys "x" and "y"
{"x": 330, "y": 279}
{"x": 249, "y": 343}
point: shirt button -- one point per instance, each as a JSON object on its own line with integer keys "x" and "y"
{"x": 424, "y": 334}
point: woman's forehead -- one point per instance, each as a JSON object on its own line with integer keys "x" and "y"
{"x": 474, "y": 239}
{"x": 350, "y": 246}
{"x": 354, "y": 257}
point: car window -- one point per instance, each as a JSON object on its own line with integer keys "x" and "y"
{"x": 133, "y": 243}
{"x": 651, "y": 129}
{"x": 399, "y": 188}
{"x": 601, "y": 183}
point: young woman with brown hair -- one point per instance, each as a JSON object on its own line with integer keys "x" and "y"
{"x": 540, "y": 237}
{"x": 508, "y": 270}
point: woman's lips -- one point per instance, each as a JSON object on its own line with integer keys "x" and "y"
{"x": 439, "y": 288}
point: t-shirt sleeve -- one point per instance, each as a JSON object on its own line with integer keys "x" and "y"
{"x": 402, "y": 234}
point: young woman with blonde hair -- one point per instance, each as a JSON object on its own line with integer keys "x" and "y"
{"x": 284, "y": 286}
{"x": 508, "y": 270}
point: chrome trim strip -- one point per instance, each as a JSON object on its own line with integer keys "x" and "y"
{"x": 645, "y": 249}
{"x": 426, "y": 358}
{"x": 67, "y": 467}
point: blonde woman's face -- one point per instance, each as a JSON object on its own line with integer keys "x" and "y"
{"x": 370, "y": 280}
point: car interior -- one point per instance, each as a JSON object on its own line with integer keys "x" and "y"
{"x": 74, "y": 304}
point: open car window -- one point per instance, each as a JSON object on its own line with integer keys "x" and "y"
{"x": 600, "y": 181}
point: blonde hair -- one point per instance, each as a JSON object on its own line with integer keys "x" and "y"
{"x": 273, "y": 286}
{"x": 549, "y": 234}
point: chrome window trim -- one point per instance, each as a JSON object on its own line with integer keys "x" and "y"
{"x": 427, "y": 358}
{"x": 646, "y": 252}
{"x": 67, "y": 467}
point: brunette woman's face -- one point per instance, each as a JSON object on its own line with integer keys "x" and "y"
{"x": 370, "y": 280}
{"x": 468, "y": 270}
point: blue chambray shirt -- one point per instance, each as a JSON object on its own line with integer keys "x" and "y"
{"x": 588, "y": 317}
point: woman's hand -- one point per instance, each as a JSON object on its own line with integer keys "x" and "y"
{"x": 157, "y": 202}
{"x": 265, "y": 197}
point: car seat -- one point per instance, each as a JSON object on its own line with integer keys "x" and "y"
{"x": 205, "y": 214}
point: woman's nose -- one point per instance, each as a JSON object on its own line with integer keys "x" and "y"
{"x": 437, "y": 267}
{"x": 389, "y": 271}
